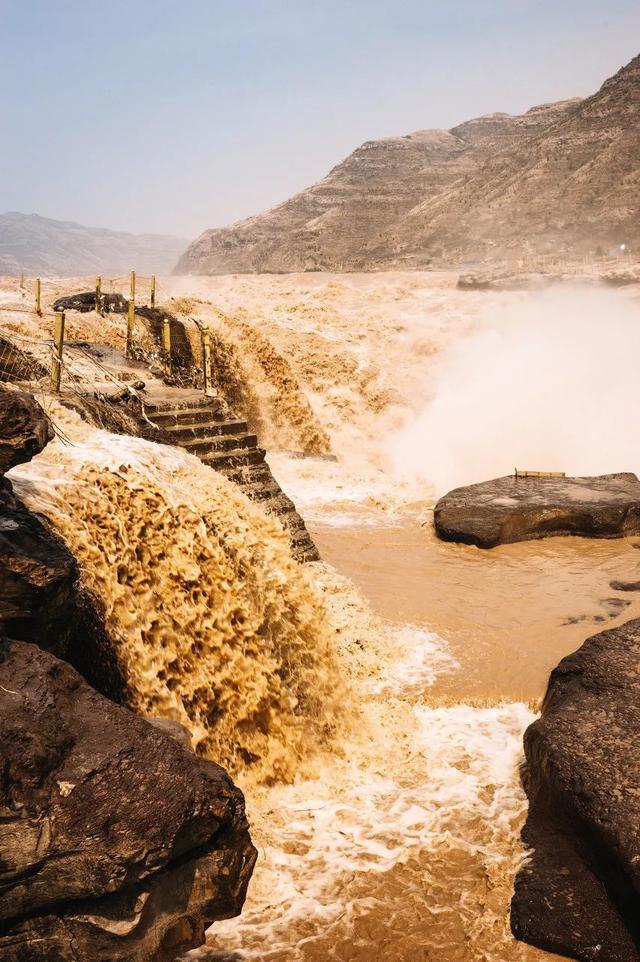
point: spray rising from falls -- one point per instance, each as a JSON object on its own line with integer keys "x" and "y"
{"x": 211, "y": 620}
{"x": 546, "y": 384}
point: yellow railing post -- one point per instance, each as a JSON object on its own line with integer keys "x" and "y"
{"x": 58, "y": 345}
{"x": 38, "y": 305}
{"x": 166, "y": 339}
{"x": 153, "y": 290}
{"x": 131, "y": 318}
{"x": 206, "y": 359}
{"x": 98, "y": 294}
{"x": 22, "y": 282}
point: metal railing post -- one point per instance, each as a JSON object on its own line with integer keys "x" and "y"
{"x": 98, "y": 294}
{"x": 166, "y": 339}
{"x": 153, "y": 290}
{"x": 58, "y": 345}
{"x": 38, "y": 304}
{"x": 22, "y": 282}
{"x": 131, "y": 316}
{"x": 206, "y": 359}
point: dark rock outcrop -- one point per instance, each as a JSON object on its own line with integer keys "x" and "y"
{"x": 24, "y": 429}
{"x": 521, "y": 509}
{"x": 86, "y": 301}
{"x": 579, "y": 892}
{"x": 40, "y": 595}
{"x": 116, "y": 844}
{"x": 625, "y": 585}
{"x": 37, "y": 573}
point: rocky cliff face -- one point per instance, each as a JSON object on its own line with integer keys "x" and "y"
{"x": 565, "y": 174}
{"x": 579, "y": 893}
{"x": 576, "y": 182}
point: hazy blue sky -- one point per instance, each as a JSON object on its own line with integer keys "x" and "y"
{"x": 176, "y": 115}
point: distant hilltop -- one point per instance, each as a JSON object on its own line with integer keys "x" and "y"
{"x": 562, "y": 176}
{"x": 31, "y": 244}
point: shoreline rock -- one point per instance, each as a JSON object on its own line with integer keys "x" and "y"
{"x": 116, "y": 844}
{"x": 579, "y": 892}
{"x": 507, "y": 509}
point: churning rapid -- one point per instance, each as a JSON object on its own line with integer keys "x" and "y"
{"x": 215, "y": 624}
{"x": 371, "y": 706}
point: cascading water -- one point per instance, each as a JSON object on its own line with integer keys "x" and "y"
{"x": 379, "y": 751}
{"x": 256, "y": 380}
{"x": 213, "y": 622}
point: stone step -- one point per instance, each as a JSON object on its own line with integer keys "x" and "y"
{"x": 235, "y": 459}
{"x": 281, "y": 504}
{"x": 221, "y": 442}
{"x": 246, "y": 474}
{"x": 186, "y": 431}
{"x": 168, "y": 417}
{"x": 299, "y": 535}
{"x": 307, "y": 553}
{"x": 262, "y": 490}
{"x": 178, "y": 402}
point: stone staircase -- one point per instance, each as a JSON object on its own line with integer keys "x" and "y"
{"x": 196, "y": 423}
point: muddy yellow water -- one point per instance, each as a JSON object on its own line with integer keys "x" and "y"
{"x": 508, "y": 615}
{"x": 404, "y": 844}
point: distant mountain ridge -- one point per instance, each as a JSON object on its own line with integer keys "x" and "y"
{"x": 562, "y": 175}
{"x": 31, "y": 244}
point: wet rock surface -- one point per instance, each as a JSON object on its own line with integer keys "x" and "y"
{"x": 24, "y": 429}
{"x": 115, "y": 842}
{"x": 579, "y": 894}
{"x": 40, "y": 595}
{"x": 37, "y": 573}
{"x": 507, "y": 509}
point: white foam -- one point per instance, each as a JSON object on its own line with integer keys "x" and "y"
{"x": 422, "y": 657}
{"x": 360, "y": 821}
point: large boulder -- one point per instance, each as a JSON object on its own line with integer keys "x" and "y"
{"x": 521, "y": 509}
{"x": 579, "y": 892}
{"x": 116, "y": 843}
